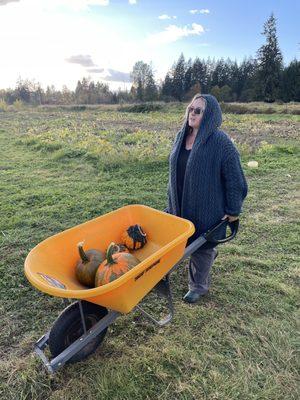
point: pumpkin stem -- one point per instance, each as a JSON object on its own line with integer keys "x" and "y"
{"x": 110, "y": 252}
{"x": 141, "y": 231}
{"x": 82, "y": 253}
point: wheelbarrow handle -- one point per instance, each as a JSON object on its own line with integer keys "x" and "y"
{"x": 234, "y": 226}
{"x": 196, "y": 244}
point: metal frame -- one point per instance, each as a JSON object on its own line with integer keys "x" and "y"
{"x": 75, "y": 347}
{"x": 163, "y": 288}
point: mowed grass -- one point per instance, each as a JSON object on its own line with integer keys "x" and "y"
{"x": 239, "y": 343}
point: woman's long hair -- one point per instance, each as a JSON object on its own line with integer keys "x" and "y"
{"x": 186, "y": 116}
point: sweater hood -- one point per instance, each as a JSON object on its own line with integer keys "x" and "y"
{"x": 211, "y": 120}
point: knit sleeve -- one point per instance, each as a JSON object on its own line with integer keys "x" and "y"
{"x": 234, "y": 180}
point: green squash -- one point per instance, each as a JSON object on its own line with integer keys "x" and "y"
{"x": 87, "y": 265}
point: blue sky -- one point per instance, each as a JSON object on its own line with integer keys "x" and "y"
{"x": 60, "y": 41}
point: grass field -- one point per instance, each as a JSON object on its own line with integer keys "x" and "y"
{"x": 59, "y": 168}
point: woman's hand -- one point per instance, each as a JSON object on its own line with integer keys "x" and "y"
{"x": 231, "y": 218}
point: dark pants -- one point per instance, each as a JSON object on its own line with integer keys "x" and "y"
{"x": 199, "y": 269}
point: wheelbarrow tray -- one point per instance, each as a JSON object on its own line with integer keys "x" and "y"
{"x": 50, "y": 266}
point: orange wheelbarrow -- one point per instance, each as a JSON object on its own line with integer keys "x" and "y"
{"x": 81, "y": 327}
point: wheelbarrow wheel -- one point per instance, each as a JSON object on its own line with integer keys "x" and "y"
{"x": 68, "y": 328}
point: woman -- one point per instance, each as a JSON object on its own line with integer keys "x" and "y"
{"x": 206, "y": 183}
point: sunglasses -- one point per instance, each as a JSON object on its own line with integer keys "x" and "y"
{"x": 196, "y": 110}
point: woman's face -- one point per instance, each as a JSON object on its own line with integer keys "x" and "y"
{"x": 196, "y": 111}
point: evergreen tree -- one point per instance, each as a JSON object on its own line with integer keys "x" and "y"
{"x": 167, "y": 88}
{"x": 178, "y": 78}
{"x": 150, "y": 86}
{"x": 22, "y": 90}
{"x": 78, "y": 92}
{"x": 140, "y": 90}
{"x": 221, "y": 73}
{"x": 210, "y": 65}
{"x": 92, "y": 94}
{"x": 199, "y": 75}
{"x": 233, "y": 78}
{"x": 269, "y": 63}
{"x": 245, "y": 89}
{"x": 187, "y": 84}
{"x": 291, "y": 82}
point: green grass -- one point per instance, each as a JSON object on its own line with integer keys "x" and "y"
{"x": 238, "y": 343}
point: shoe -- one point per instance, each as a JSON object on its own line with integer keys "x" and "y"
{"x": 192, "y": 297}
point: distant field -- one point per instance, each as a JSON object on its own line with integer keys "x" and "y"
{"x": 60, "y": 167}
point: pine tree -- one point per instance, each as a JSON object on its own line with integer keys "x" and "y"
{"x": 221, "y": 73}
{"x": 199, "y": 75}
{"x": 139, "y": 90}
{"x": 269, "y": 63}
{"x": 150, "y": 86}
{"x": 151, "y": 89}
{"x": 166, "y": 90}
{"x": 291, "y": 82}
{"x": 234, "y": 79}
{"x": 187, "y": 84}
{"x": 246, "y": 80}
{"x": 178, "y": 78}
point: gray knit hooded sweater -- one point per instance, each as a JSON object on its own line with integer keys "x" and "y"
{"x": 214, "y": 182}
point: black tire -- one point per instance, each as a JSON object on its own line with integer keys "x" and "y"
{"x": 68, "y": 328}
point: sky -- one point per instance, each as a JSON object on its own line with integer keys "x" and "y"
{"x": 58, "y": 42}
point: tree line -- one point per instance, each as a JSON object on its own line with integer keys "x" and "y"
{"x": 263, "y": 78}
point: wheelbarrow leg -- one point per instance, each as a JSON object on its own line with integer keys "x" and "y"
{"x": 82, "y": 317}
{"x": 164, "y": 289}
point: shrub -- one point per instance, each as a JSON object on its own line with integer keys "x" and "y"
{"x": 234, "y": 108}
{"x": 141, "y": 108}
{"x": 3, "y": 105}
{"x": 18, "y": 105}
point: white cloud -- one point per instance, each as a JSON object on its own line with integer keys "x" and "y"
{"x": 84, "y": 60}
{"x": 74, "y": 5}
{"x": 165, "y": 16}
{"x": 132, "y": 2}
{"x": 46, "y": 37}
{"x": 54, "y": 41}
{"x": 202, "y": 11}
{"x": 172, "y": 33}
{"x": 79, "y": 5}
{"x": 96, "y": 70}
{"x": 4, "y": 2}
{"x": 117, "y": 76}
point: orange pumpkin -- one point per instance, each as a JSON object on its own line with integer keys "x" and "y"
{"x": 88, "y": 264}
{"x": 115, "y": 265}
{"x": 134, "y": 237}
